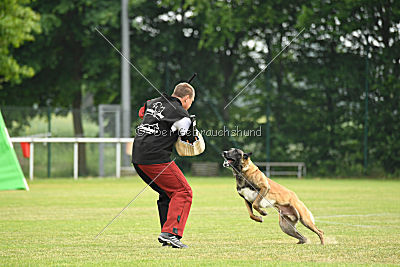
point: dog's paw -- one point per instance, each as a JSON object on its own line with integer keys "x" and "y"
{"x": 263, "y": 213}
{"x": 257, "y": 219}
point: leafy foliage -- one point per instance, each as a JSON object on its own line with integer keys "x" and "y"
{"x": 315, "y": 88}
{"x": 18, "y": 23}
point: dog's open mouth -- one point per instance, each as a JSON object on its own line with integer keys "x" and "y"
{"x": 228, "y": 162}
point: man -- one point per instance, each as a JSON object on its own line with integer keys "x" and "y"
{"x": 164, "y": 119}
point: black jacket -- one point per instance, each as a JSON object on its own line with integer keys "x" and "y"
{"x": 154, "y": 140}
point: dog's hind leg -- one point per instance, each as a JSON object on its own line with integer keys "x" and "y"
{"x": 289, "y": 227}
{"x": 307, "y": 219}
{"x": 288, "y": 218}
{"x": 250, "y": 210}
{"x": 310, "y": 225}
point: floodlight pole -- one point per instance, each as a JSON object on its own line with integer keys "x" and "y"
{"x": 268, "y": 111}
{"x": 366, "y": 116}
{"x": 125, "y": 77}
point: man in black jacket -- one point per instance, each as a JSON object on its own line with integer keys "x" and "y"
{"x": 165, "y": 119}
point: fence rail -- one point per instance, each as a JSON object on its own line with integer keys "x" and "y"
{"x": 75, "y": 141}
{"x": 301, "y": 168}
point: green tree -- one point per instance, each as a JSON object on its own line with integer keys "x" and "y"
{"x": 315, "y": 88}
{"x": 341, "y": 35}
{"x": 170, "y": 36}
{"x": 71, "y": 59}
{"x": 18, "y": 23}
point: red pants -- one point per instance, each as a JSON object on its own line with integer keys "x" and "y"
{"x": 175, "y": 194}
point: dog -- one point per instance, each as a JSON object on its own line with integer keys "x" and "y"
{"x": 258, "y": 191}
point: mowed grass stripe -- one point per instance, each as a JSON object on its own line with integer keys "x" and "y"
{"x": 55, "y": 223}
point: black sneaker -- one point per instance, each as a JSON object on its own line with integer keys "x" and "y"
{"x": 170, "y": 239}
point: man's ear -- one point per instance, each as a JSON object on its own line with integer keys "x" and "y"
{"x": 247, "y": 155}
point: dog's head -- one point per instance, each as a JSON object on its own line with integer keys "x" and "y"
{"x": 235, "y": 158}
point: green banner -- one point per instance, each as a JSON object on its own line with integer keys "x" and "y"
{"x": 11, "y": 175}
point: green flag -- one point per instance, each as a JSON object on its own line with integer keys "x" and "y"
{"x": 11, "y": 175}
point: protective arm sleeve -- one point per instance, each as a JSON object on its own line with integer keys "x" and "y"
{"x": 182, "y": 126}
{"x": 142, "y": 110}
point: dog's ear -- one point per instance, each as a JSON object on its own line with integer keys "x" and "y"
{"x": 247, "y": 155}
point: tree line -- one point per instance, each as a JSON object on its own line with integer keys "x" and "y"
{"x": 334, "y": 85}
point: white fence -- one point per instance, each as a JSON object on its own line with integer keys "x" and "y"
{"x": 301, "y": 168}
{"x": 75, "y": 141}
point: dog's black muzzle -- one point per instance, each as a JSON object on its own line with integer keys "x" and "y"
{"x": 228, "y": 161}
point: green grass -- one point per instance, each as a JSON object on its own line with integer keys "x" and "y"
{"x": 55, "y": 222}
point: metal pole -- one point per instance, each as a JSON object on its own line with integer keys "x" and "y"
{"x": 118, "y": 122}
{"x": 76, "y": 160}
{"x": 268, "y": 133}
{"x": 118, "y": 146}
{"x": 49, "y": 144}
{"x": 125, "y": 75}
{"x": 167, "y": 77}
{"x": 101, "y": 145}
{"x": 366, "y": 116}
{"x": 118, "y": 160}
{"x": 31, "y": 160}
{"x": 268, "y": 111}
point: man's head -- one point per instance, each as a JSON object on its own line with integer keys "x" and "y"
{"x": 185, "y": 93}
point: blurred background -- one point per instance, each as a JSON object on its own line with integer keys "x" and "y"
{"x": 331, "y": 99}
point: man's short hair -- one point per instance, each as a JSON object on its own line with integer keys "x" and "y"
{"x": 184, "y": 89}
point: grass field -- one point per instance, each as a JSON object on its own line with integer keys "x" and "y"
{"x": 55, "y": 222}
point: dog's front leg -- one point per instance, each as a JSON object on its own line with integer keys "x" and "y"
{"x": 250, "y": 210}
{"x": 256, "y": 204}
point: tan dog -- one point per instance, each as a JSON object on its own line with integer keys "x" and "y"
{"x": 259, "y": 192}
